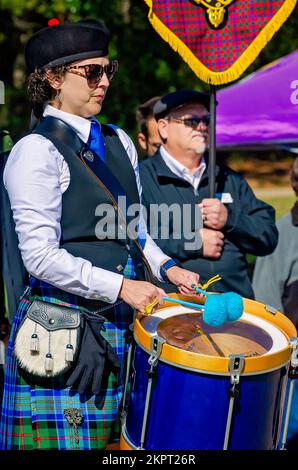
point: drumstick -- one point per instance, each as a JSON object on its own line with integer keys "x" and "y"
{"x": 197, "y": 289}
{"x": 234, "y": 303}
{"x": 211, "y": 342}
{"x": 148, "y": 309}
{"x": 183, "y": 302}
{"x": 205, "y": 337}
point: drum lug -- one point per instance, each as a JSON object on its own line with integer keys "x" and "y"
{"x": 294, "y": 355}
{"x": 156, "y": 345}
{"x": 293, "y": 372}
{"x": 236, "y": 366}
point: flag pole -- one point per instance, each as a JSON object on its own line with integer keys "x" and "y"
{"x": 212, "y": 149}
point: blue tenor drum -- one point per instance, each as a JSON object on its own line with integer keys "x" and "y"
{"x": 191, "y": 386}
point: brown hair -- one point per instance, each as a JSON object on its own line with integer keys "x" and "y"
{"x": 294, "y": 176}
{"x": 39, "y": 88}
{"x": 145, "y": 112}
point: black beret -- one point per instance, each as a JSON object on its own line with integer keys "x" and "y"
{"x": 65, "y": 43}
{"x": 179, "y": 98}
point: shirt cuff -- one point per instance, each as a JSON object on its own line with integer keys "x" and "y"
{"x": 107, "y": 283}
{"x": 155, "y": 257}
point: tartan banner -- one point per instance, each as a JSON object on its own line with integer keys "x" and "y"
{"x": 218, "y": 39}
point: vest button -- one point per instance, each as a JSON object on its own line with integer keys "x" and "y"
{"x": 51, "y": 321}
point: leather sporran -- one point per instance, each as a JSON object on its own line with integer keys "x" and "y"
{"x": 48, "y": 339}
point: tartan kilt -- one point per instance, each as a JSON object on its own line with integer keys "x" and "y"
{"x": 33, "y": 412}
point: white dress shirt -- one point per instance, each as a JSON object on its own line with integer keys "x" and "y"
{"x": 36, "y": 176}
{"x": 180, "y": 170}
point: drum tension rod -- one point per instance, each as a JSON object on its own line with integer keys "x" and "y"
{"x": 129, "y": 342}
{"x": 155, "y": 352}
{"x": 236, "y": 366}
{"x": 293, "y": 375}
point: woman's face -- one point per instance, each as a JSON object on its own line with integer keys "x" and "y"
{"x": 79, "y": 96}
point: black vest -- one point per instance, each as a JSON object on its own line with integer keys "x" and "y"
{"x": 83, "y": 198}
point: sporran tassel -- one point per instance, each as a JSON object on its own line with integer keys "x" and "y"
{"x": 69, "y": 353}
{"x": 34, "y": 343}
{"x": 49, "y": 363}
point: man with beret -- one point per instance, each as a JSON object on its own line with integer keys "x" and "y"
{"x": 233, "y": 223}
{"x": 58, "y": 180}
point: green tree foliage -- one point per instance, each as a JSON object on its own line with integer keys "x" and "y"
{"x": 148, "y": 66}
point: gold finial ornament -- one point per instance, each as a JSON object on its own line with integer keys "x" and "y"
{"x": 215, "y": 10}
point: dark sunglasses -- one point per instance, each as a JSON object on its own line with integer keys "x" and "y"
{"x": 193, "y": 121}
{"x": 95, "y": 72}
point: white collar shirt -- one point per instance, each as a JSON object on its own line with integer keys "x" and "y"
{"x": 36, "y": 176}
{"x": 181, "y": 171}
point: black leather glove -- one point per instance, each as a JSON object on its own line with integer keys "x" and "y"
{"x": 96, "y": 356}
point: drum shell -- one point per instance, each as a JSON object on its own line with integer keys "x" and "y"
{"x": 185, "y": 380}
{"x": 177, "y": 421}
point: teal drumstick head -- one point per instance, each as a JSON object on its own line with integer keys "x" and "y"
{"x": 215, "y": 312}
{"x": 234, "y": 303}
{"x": 229, "y": 308}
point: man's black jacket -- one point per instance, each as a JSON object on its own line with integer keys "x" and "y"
{"x": 250, "y": 227}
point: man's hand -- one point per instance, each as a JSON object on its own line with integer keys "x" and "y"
{"x": 139, "y": 294}
{"x": 214, "y": 213}
{"x": 213, "y": 241}
{"x": 183, "y": 279}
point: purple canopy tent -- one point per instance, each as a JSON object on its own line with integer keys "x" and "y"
{"x": 261, "y": 110}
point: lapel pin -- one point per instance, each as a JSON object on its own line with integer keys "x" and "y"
{"x": 88, "y": 155}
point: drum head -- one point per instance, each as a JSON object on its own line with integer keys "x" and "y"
{"x": 190, "y": 333}
{"x": 190, "y": 343}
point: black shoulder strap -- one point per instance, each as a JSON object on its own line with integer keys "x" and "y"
{"x": 71, "y": 146}
{"x": 119, "y": 162}
{"x": 63, "y": 136}
{"x": 68, "y": 143}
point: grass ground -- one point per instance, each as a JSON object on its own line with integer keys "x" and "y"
{"x": 269, "y": 179}
{"x": 281, "y": 204}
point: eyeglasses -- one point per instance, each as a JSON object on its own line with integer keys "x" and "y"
{"x": 95, "y": 72}
{"x": 192, "y": 121}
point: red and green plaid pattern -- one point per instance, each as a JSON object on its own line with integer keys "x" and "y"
{"x": 33, "y": 412}
{"x": 217, "y": 49}
{"x": 39, "y": 421}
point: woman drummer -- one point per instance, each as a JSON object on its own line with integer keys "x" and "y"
{"x": 54, "y": 202}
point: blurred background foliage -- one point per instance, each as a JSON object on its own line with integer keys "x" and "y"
{"x": 148, "y": 66}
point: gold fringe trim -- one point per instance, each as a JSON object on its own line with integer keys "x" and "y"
{"x": 241, "y": 64}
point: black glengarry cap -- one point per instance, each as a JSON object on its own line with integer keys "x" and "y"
{"x": 65, "y": 43}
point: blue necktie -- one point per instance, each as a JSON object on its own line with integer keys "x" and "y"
{"x": 96, "y": 140}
